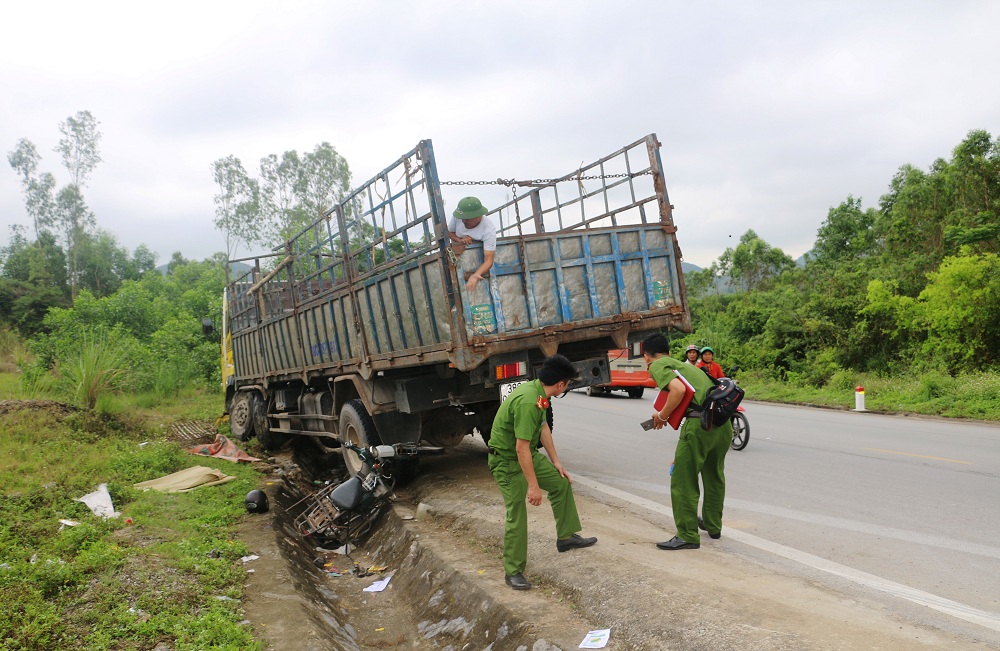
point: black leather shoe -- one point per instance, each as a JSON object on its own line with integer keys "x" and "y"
{"x": 713, "y": 536}
{"x": 574, "y": 542}
{"x": 517, "y": 581}
{"x": 677, "y": 543}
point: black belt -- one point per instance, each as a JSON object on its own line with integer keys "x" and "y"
{"x": 497, "y": 454}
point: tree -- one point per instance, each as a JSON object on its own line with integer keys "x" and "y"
{"x": 37, "y": 189}
{"x": 80, "y": 146}
{"x": 847, "y": 234}
{"x": 291, "y": 193}
{"x": 280, "y": 188}
{"x": 754, "y": 263}
{"x": 75, "y": 218}
{"x": 236, "y": 205}
{"x": 326, "y": 178}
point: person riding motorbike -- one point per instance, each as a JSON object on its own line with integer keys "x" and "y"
{"x": 691, "y": 355}
{"x": 708, "y": 363}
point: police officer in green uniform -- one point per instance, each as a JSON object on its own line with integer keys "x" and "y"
{"x": 698, "y": 451}
{"x": 521, "y": 471}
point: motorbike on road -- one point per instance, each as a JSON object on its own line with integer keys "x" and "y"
{"x": 345, "y": 513}
{"x": 741, "y": 429}
{"x": 741, "y": 426}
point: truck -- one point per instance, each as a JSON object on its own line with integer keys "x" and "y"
{"x": 361, "y": 327}
{"x": 628, "y": 374}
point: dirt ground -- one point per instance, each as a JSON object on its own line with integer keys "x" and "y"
{"x": 711, "y": 598}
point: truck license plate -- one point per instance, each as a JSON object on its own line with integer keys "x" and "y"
{"x": 507, "y": 389}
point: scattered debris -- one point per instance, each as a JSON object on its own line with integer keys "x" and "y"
{"x": 596, "y": 639}
{"x": 100, "y": 502}
{"x": 222, "y": 448}
{"x": 186, "y": 480}
{"x": 251, "y": 557}
{"x": 68, "y": 523}
{"x": 424, "y": 511}
{"x": 379, "y": 585}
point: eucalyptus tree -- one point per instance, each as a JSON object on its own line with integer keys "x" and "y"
{"x": 80, "y": 146}
{"x": 38, "y": 188}
{"x": 281, "y": 182}
{"x": 236, "y": 204}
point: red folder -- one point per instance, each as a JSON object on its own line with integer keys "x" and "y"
{"x": 675, "y": 417}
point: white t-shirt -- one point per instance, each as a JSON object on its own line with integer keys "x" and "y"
{"x": 484, "y": 232}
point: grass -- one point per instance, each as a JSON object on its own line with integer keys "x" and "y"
{"x": 171, "y": 576}
{"x": 973, "y": 396}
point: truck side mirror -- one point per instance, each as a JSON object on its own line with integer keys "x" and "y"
{"x": 206, "y": 327}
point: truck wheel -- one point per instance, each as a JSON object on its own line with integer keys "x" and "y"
{"x": 635, "y": 392}
{"x": 594, "y": 391}
{"x": 356, "y": 427}
{"x": 240, "y": 417}
{"x": 262, "y": 425}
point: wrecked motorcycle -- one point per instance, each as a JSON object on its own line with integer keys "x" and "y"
{"x": 344, "y": 513}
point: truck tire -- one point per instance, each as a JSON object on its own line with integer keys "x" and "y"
{"x": 262, "y": 425}
{"x": 356, "y": 427}
{"x": 594, "y": 391}
{"x": 635, "y": 392}
{"x": 241, "y": 416}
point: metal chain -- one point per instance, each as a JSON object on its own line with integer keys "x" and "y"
{"x": 515, "y": 182}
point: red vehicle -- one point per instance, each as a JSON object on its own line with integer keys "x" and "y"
{"x": 628, "y": 374}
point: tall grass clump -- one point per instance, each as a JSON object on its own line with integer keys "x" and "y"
{"x": 97, "y": 367}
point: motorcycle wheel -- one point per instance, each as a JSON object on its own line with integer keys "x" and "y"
{"x": 356, "y": 427}
{"x": 741, "y": 431}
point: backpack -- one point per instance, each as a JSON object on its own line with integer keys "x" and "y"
{"x": 720, "y": 404}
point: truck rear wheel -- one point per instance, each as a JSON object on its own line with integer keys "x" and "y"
{"x": 240, "y": 418}
{"x": 635, "y": 392}
{"x": 262, "y": 425}
{"x": 356, "y": 427}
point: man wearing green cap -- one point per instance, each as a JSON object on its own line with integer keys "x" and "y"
{"x": 467, "y": 226}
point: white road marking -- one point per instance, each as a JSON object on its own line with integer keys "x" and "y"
{"x": 953, "y": 608}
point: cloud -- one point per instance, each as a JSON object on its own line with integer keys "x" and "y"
{"x": 769, "y": 113}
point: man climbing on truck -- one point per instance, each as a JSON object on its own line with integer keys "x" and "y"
{"x": 469, "y": 225}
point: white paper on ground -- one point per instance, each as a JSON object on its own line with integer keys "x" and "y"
{"x": 379, "y": 585}
{"x": 100, "y": 502}
{"x": 596, "y": 639}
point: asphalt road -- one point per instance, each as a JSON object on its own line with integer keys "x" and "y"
{"x": 905, "y": 510}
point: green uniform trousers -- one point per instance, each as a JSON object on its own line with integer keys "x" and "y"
{"x": 514, "y": 488}
{"x": 704, "y": 453}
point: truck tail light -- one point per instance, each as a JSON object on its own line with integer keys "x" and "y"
{"x": 507, "y": 371}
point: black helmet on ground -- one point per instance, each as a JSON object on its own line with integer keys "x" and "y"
{"x": 256, "y": 501}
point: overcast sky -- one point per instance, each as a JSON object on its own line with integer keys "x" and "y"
{"x": 769, "y": 113}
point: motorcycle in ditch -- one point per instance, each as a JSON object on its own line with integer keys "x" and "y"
{"x": 343, "y": 514}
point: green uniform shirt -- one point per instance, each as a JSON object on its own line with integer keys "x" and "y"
{"x": 662, "y": 371}
{"x": 520, "y": 417}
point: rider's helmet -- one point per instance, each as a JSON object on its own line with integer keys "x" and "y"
{"x": 708, "y": 348}
{"x": 256, "y": 501}
{"x": 692, "y": 347}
